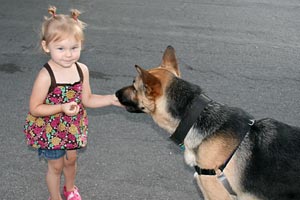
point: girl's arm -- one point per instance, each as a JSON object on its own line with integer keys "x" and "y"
{"x": 39, "y": 94}
{"x": 93, "y": 100}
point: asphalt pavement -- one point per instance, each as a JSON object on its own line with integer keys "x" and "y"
{"x": 243, "y": 53}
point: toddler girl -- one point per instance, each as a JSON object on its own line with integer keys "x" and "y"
{"x": 57, "y": 123}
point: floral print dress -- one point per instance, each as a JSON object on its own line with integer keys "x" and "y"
{"x": 59, "y": 131}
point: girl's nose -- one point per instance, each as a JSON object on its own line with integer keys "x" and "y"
{"x": 69, "y": 53}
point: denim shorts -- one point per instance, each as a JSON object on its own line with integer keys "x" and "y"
{"x": 51, "y": 154}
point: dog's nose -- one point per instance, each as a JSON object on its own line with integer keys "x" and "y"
{"x": 118, "y": 94}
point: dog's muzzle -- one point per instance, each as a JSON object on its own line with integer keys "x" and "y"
{"x": 124, "y": 95}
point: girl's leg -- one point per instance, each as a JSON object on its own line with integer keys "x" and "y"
{"x": 70, "y": 166}
{"x": 55, "y": 168}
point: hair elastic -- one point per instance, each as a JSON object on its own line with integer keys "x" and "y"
{"x": 75, "y": 13}
{"x": 52, "y": 11}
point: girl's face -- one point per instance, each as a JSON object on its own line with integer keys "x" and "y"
{"x": 64, "y": 52}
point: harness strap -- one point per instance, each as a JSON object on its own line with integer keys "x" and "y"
{"x": 210, "y": 172}
{"x": 221, "y": 177}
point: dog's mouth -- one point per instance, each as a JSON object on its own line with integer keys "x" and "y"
{"x": 132, "y": 107}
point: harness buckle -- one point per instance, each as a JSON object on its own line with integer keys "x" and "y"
{"x": 219, "y": 172}
{"x": 252, "y": 121}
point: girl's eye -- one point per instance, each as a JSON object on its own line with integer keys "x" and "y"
{"x": 60, "y": 48}
{"x": 75, "y": 48}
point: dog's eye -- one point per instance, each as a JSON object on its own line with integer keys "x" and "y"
{"x": 145, "y": 87}
{"x": 134, "y": 89}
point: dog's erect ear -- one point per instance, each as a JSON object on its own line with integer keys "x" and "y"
{"x": 152, "y": 85}
{"x": 169, "y": 61}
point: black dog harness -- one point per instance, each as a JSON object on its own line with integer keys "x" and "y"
{"x": 190, "y": 117}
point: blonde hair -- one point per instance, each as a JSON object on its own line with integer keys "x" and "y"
{"x": 59, "y": 26}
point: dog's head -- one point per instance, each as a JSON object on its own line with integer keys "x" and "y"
{"x": 146, "y": 93}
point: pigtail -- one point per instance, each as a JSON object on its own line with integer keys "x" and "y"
{"x": 52, "y": 11}
{"x": 75, "y": 14}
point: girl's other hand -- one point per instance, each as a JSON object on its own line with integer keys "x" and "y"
{"x": 71, "y": 108}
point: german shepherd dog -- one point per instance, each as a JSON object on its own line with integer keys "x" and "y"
{"x": 235, "y": 156}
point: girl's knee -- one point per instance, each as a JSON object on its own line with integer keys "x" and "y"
{"x": 71, "y": 157}
{"x": 55, "y": 166}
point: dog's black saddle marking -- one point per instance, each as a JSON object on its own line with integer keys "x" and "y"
{"x": 190, "y": 117}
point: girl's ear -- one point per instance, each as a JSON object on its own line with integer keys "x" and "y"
{"x": 45, "y": 48}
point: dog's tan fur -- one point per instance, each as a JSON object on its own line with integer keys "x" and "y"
{"x": 153, "y": 101}
{"x": 211, "y": 154}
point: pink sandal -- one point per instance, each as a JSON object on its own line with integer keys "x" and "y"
{"x": 72, "y": 195}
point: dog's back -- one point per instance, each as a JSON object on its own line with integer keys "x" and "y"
{"x": 272, "y": 170}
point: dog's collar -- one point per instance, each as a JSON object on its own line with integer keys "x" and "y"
{"x": 189, "y": 118}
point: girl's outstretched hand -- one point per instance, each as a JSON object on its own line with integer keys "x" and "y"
{"x": 70, "y": 108}
{"x": 115, "y": 101}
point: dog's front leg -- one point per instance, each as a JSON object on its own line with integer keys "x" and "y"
{"x": 211, "y": 188}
